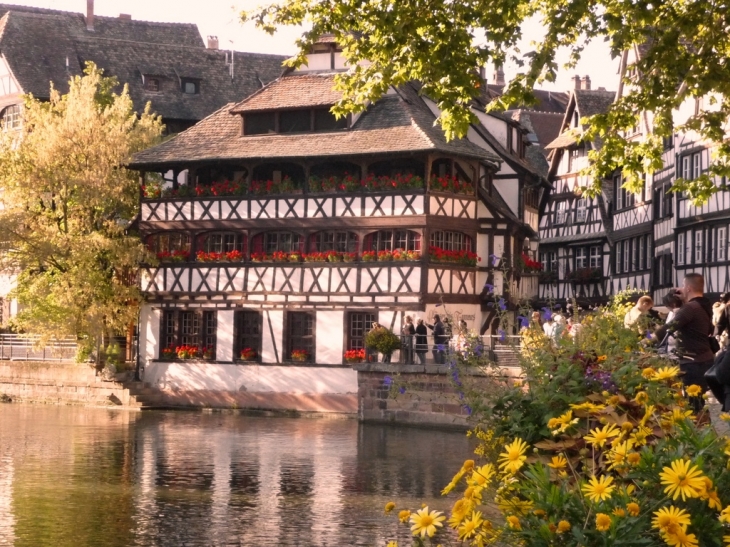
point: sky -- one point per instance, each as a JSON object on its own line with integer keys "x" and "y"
{"x": 219, "y": 18}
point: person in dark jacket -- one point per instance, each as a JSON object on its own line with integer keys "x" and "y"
{"x": 421, "y": 341}
{"x": 723, "y": 323}
{"x": 439, "y": 340}
{"x": 406, "y": 340}
{"x": 692, "y": 327}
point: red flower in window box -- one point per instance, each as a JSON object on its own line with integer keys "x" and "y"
{"x": 385, "y": 256}
{"x": 349, "y": 257}
{"x": 280, "y": 256}
{"x": 188, "y": 352}
{"x": 467, "y": 258}
{"x": 208, "y": 257}
{"x": 169, "y": 353}
{"x": 355, "y": 356}
{"x": 299, "y": 355}
{"x": 369, "y": 256}
{"x": 174, "y": 256}
{"x": 334, "y": 256}
{"x": 248, "y": 354}
{"x": 234, "y": 256}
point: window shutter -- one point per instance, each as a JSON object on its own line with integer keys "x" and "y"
{"x": 257, "y": 243}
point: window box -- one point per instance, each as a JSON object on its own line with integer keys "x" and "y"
{"x": 585, "y": 275}
{"x": 548, "y": 277}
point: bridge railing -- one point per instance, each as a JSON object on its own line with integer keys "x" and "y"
{"x": 17, "y": 347}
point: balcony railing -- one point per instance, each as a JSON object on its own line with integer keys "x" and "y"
{"x": 15, "y": 347}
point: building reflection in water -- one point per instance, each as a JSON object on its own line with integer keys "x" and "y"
{"x": 74, "y": 477}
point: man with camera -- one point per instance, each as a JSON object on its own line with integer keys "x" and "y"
{"x": 692, "y": 327}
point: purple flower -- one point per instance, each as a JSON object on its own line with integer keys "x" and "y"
{"x": 648, "y": 334}
{"x": 502, "y": 305}
{"x": 387, "y": 381}
{"x": 524, "y": 321}
{"x": 478, "y": 350}
{"x": 546, "y": 314}
{"x": 489, "y": 287}
{"x": 401, "y": 390}
{"x": 468, "y": 409}
{"x": 490, "y": 304}
{"x": 495, "y": 259}
{"x": 502, "y": 335}
{"x": 440, "y": 347}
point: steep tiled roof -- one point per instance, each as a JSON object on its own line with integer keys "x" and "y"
{"x": 43, "y": 46}
{"x": 547, "y": 101}
{"x": 397, "y": 123}
{"x": 292, "y": 91}
{"x": 593, "y": 101}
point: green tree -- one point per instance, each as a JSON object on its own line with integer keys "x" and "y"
{"x": 685, "y": 50}
{"x": 66, "y": 202}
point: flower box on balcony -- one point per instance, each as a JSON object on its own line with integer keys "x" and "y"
{"x": 548, "y": 277}
{"x": 465, "y": 258}
{"x": 248, "y": 354}
{"x": 450, "y": 184}
{"x": 585, "y": 275}
{"x": 174, "y": 256}
{"x": 299, "y": 355}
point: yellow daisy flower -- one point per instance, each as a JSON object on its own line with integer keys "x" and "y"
{"x": 638, "y": 437}
{"x": 558, "y": 462}
{"x": 470, "y": 526}
{"x": 563, "y": 526}
{"x": 601, "y": 358}
{"x": 425, "y": 522}
{"x": 676, "y": 416}
{"x": 680, "y": 538}
{"x": 670, "y": 519}
{"x": 682, "y": 480}
{"x": 598, "y": 489}
{"x": 694, "y": 390}
{"x": 562, "y": 423}
{"x": 392, "y": 544}
{"x": 641, "y": 397}
{"x": 725, "y": 515}
{"x": 514, "y": 522}
{"x": 633, "y": 458}
{"x": 404, "y": 515}
{"x": 483, "y": 475}
{"x": 603, "y": 522}
{"x": 725, "y": 417}
{"x": 389, "y": 506}
{"x": 665, "y": 373}
{"x": 598, "y": 437}
{"x": 619, "y": 512}
{"x": 618, "y": 454}
{"x": 514, "y": 457}
{"x": 468, "y": 465}
{"x": 588, "y": 406}
{"x": 648, "y": 373}
{"x": 633, "y": 509}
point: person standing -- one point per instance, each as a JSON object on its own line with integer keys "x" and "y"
{"x": 692, "y": 326}
{"x": 439, "y": 340}
{"x": 669, "y": 343}
{"x": 637, "y": 317}
{"x": 406, "y": 340}
{"x": 722, "y": 324}
{"x": 421, "y": 341}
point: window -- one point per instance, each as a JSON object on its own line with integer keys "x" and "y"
{"x": 259, "y": 123}
{"x": 680, "y": 249}
{"x": 666, "y": 268}
{"x": 190, "y": 87}
{"x": 358, "y": 324}
{"x": 549, "y": 261}
{"x": 451, "y": 241}
{"x": 388, "y": 240}
{"x": 324, "y": 120}
{"x": 561, "y": 214}
{"x": 300, "y": 336}
{"x": 595, "y": 257}
{"x": 11, "y": 117}
{"x": 691, "y": 166}
{"x": 696, "y": 165}
{"x": 581, "y": 210}
{"x": 168, "y": 242}
{"x": 635, "y": 255}
{"x": 152, "y": 84}
{"x": 619, "y": 256}
{"x": 686, "y": 170}
{"x": 342, "y": 242}
{"x": 581, "y": 258}
{"x": 223, "y": 242}
{"x": 271, "y": 242}
{"x": 618, "y": 192}
{"x": 698, "y": 247}
{"x": 642, "y": 253}
{"x": 721, "y": 243}
{"x": 247, "y": 333}
{"x": 531, "y": 197}
{"x": 627, "y": 255}
{"x": 295, "y": 121}
{"x": 195, "y": 328}
{"x": 667, "y": 202}
{"x": 668, "y": 142}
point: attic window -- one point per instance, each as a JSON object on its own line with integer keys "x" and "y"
{"x": 292, "y": 121}
{"x": 152, "y": 84}
{"x": 259, "y": 123}
{"x": 190, "y": 87}
{"x": 295, "y": 121}
{"x": 10, "y": 118}
{"x": 324, "y": 120}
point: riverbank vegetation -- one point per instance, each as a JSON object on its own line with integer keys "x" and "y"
{"x": 596, "y": 445}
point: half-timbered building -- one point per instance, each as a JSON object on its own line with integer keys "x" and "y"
{"x": 283, "y": 233}
{"x": 575, "y": 228}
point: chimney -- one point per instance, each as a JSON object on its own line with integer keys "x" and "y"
{"x": 499, "y": 76}
{"x": 125, "y": 16}
{"x": 585, "y": 83}
{"x": 576, "y": 81}
{"x": 90, "y": 15}
{"x": 212, "y": 42}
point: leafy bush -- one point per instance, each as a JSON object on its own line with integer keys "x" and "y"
{"x": 382, "y": 340}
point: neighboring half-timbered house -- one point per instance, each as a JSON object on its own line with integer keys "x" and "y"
{"x": 283, "y": 233}
{"x": 574, "y": 228}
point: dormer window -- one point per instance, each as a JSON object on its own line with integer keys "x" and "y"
{"x": 190, "y": 86}
{"x": 11, "y": 118}
{"x": 292, "y": 121}
{"x": 152, "y": 84}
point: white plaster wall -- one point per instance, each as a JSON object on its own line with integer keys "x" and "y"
{"x": 385, "y": 317}
{"x": 224, "y": 336}
{"x": 253, "y": 378}
{"x": 149, "y": 333}
{"x": 329, "y": 337}
{"x": 277, "y": 326}
{"x": 509, "y": 190}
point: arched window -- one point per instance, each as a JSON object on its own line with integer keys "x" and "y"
{"x": 342, "y": 242}
{"x": 11, "y": 117}
{"x": 221, "y": 242}
{"x": 451, "y": 241}
{"x": 389, "y": 240}
{"x": 271, "y": 242}
{"x": 170, "y": 245}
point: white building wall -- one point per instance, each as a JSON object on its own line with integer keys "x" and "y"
{"x": 329, "y": 337}
{"x": 224, "y": 336}
{"x": 149, "y": 333}
{"x": 272, "y": 336}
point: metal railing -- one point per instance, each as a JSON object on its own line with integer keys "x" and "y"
{"x": 427, "y": 350}
{"x": 16, "y": 347}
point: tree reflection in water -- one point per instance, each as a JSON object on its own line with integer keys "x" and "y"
{"x": 76, "y": 477}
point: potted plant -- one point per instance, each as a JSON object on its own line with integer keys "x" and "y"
{"x": 369, "y": 256}
{"x": 259, "y": 257}
{"x": 169, "y": 353}
{"x": 385, "y": 256}
{"x": 234, "y": 256}
{"x": 299, "y": 355}
{"x": 280, "y": 256}
{"x": 383, "y": 341}
{"x": 334, "y": 256}
{"x": 248, "y": 354}
{"x": 295, "y": 257}
{"x": 187, "y": 352}
{"x": 355, "y": 355}
{"x": 208, "y": 352}
{"x": 349, "y": 257}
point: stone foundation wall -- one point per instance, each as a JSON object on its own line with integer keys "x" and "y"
{"x": 60, "y": 383}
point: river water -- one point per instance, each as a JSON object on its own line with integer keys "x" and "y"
{"x": 82, "y": 477}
